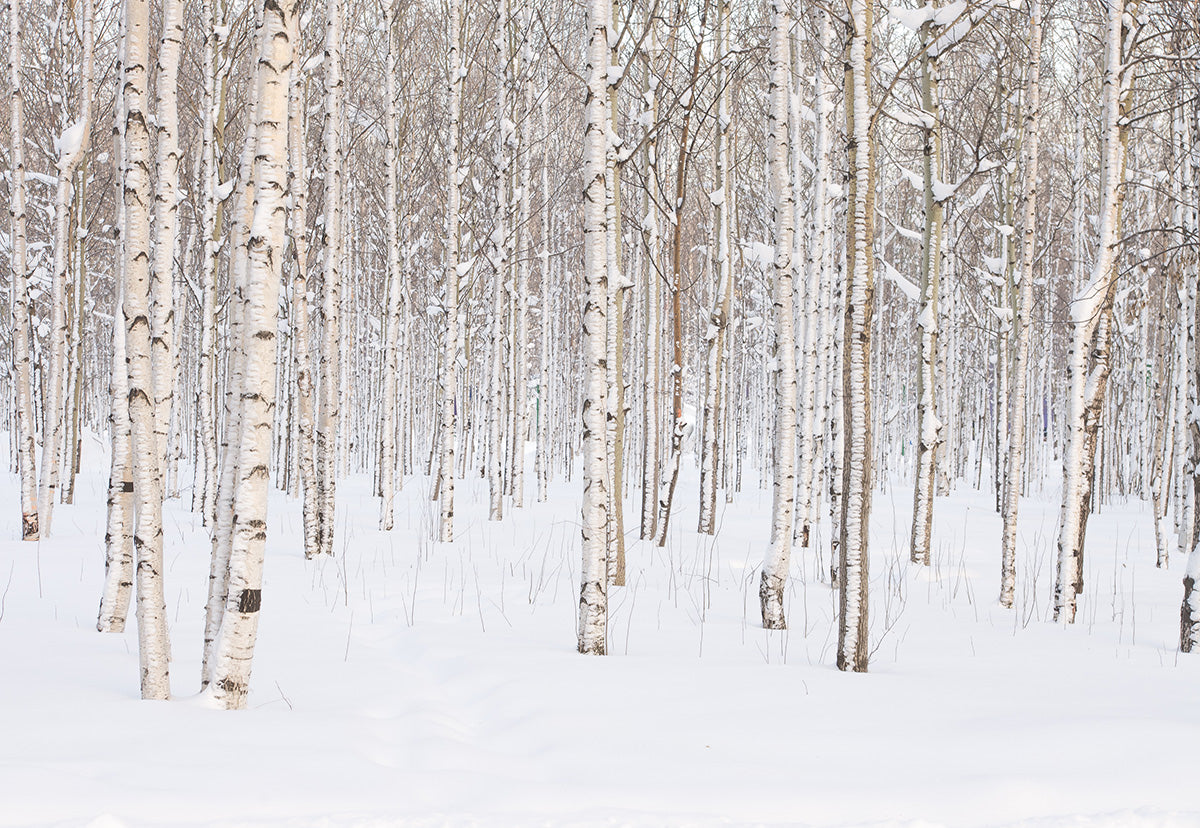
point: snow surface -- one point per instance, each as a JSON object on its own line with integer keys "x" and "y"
{"x": 403, "y": 682}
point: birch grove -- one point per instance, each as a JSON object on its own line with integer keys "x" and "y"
{"x": 685, "y": 252}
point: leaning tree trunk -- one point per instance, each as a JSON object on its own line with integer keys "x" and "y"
{"x": 21, "y": 349}
{"x": 1016, "y": 413}
{"x": 775, "y": 567}
{"x": 1088, "y": 363}
{"x": 856, "y": 366}
{"x": 593, "y": 597}
{"x": 234, "y": 647}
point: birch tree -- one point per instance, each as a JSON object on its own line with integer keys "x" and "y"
{"x": 21, "y": 347}
{"x": 451, "y": 342}
{"x": 852, "y": 653}
{"x": 71, "y": 147}
{"x": 234, "y": 645}
{"x": 593, "y": 598}
{"x": 775, "y": 567}
{"x": 153, "y": 644}
{"x": 1088, "y": 360}
{"x": 1031, "y": 123}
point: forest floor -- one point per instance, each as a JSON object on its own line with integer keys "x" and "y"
{"x": 403, "y": 682}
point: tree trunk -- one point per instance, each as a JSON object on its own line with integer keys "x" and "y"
{"x": 21, "y": 349}
{"x": 1088, "y": 362}
{"x": 593, "y": 597}
{"x": 1016, "y": 413}
{"x": 775, "y": 567}
{"x": 234, "y": 646}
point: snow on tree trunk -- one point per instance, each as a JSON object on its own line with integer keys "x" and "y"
{"x": 1088, "y": 362}
{"x": 853, "y": 559}
{"x": 593, "y": 597}
{"x": 234, "y": 646}
{"x": 137, "y": 160}
{"x": 21, "y": 349}
{"x": 1016, "y": 413}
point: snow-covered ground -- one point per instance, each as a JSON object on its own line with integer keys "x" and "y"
{"x": 409, "y": 683}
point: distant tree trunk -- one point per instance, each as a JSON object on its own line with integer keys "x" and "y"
{"x": 166, "y": 222}
{"x": 775, "y": 567}
{"x": 118, "y": 537}
{"x": 147, "y": 482}
{"x": 210, "y": 229}
{"x": 1016, "y": 412}
{"x": 524, "y": 254}
{"x": 679, "y": 423}
{"x": 718, "y": 318}
{"x": 593, "y": 598}
{"x": 651, "y": 470}
{"x": 451, "y": 340}
{"x": 387, "y": 429}
{"x": 856, "y": 360}
{"x": 1088, "y": 362}
{"x": 21, "y": 350}
{"x": 1189, "y": 613}
{"x": 301, "y": 312}
{"x": 234, "y": 646}
{"x": 332, "y": 246}
{"x": 929, "y": 428}
{"x": 73, "y": 147}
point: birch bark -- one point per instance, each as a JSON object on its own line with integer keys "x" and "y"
{"x": 153, "y": 643}
{"x": 775, "y": 567}
{"x": 73, "y": 146}
{"x": 21, "y": 349}
{"x": 234, "y": 646}
{"x": 1088, "y": 362}
{"x": 593, "y": 598}
{"x": 1016, "y": 413}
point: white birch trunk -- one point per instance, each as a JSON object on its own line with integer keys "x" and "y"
{"x": 329, "y": 411}
{"x": 234, "y": 646}
{"x": 166, "y": 222}
{"x": 929, "y": 429}
{"x": 21, "y": 348}
{"x": 775, "y": 566}
{"x": 75, "y": 142}
{"x": 718, "y": 318}
{"x": 853, "y": 561}
{"x": 137, "y": 160}
{"x": 1091, "y": 316}
{"x": 387, "y": 430}
{"x": 451, "y": 340}
{"x": 1016, "y": 429}
{"x": 593, "y": 598}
